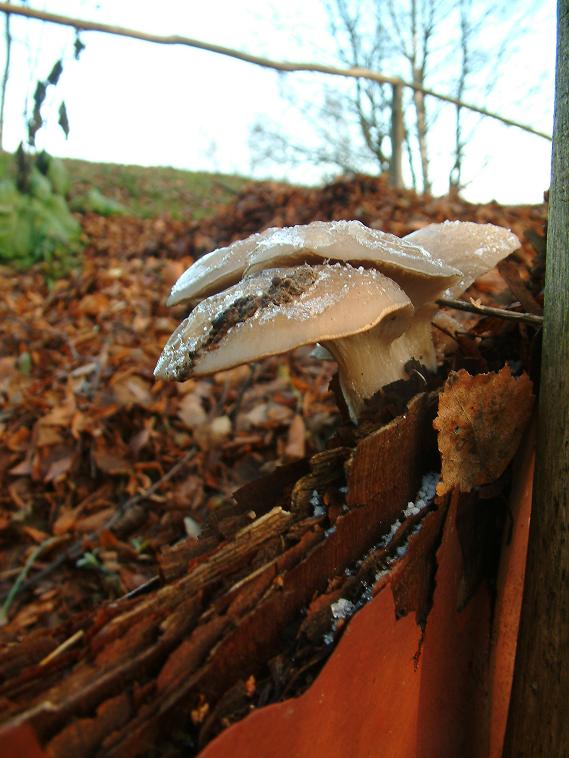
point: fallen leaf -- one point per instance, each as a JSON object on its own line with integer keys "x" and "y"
{"x": 191, "y": 412}
{"x": 65, "y": 521}
{"x": 94, "y": 304}
{"x": 296, "y": 441}
{"x": 59, "y": 467}
{"x": 110, "y": 462}
{"x": 212, "y": 434}
{"x": 480, "y": 423}
{"x": 132, "y": 390}
{"x": 35, "y": 534}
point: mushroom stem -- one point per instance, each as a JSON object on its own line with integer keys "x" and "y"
{"x": 417, "y": 341}
{"x": 369, "y": 360}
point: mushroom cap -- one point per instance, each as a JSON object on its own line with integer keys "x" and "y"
{"x": 214, "y": 271}
{"x": 416, "y": 270}
{"x": 469, "y": 247}
{"x": 276, "y": 310}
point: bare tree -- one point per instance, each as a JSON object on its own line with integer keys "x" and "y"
{"x": 455, "y": 177}
{"x": 411, "y": 31}
{"x": 424, "y": 42}
{"x": 357, "y": 48}
{"x": 351, "y": 124}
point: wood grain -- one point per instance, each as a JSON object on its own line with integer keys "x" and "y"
{"x": 538, "y": 723}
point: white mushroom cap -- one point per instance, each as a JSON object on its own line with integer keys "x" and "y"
{"x": 277, "y": 310}
{"x": 471, "y": 248}
{"x": 419, "y": 273}
{"x": 214, "y": 271}
{"x": 416, "y": 270}
{"x": 372, "y": 324}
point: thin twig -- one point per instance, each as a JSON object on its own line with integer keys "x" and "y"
{"x": 69, "y": 642}
{"x": 135, "y": 499}
{"x": 487, "y": 310}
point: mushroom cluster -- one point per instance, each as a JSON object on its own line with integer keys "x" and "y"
{"x": 366, "y": 296}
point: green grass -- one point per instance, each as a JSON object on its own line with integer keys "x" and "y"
{"x": 149, "y": 192}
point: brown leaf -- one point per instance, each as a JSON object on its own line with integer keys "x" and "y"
{"x": 110, "y": 463}
{"x": 60, "y": 467}
{"x": 65, "y": 521}
{"x": 480, "y": 423}
{"x": 191, "y": 411}
{"x": 132, "y": 390}
{"x": 94, "y": 304}
{"x": 296, "y": 441}
{"x": 24, "y": 468}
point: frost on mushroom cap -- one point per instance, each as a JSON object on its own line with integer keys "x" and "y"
{"x": 277, "y": 310}
{"x": 214, "y": 271}
{"x": 471, "y": 248}
{"x": 416, "y": 270}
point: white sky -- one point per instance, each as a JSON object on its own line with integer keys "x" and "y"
{"x": 135, "y": 102}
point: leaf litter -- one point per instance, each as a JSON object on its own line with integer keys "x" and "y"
{"x": 113, "y": 475}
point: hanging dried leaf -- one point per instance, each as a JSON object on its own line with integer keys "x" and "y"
{"x": 480, "y": 423}
{"x": 78, "y": 45}
{"x": 39, "y": 95}
{"x": 55, "y": 72}
{"x": 63, "y": 121}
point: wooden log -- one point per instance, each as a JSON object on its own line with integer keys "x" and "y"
{"x": 538, "y": 723}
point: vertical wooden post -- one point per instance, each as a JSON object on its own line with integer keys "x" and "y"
{"x": 4, "y": 86}
{"x": 538, "y": 723}
{"x": 397, "y": 137}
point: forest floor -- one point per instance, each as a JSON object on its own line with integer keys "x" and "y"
{"x": 101, "y": 466}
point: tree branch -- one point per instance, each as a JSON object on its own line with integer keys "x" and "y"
{"x": 285, "y": 66}
{"x": 487, "y": 310}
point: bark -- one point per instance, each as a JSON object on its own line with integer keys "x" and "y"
{"x": 538, "y": 724}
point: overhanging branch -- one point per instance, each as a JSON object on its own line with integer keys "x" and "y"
{"x": 284, "y": 66}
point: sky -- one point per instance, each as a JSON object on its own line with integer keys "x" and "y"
{"x": 134, "y": 102}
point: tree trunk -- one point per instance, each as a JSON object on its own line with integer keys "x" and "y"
{"x": 538, "y": 723}
{"x": 8, "y": 41}
{"x": 397, "y": 137}
{"x": 422, "y": 130}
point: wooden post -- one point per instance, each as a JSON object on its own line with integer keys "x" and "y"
{"x": 538, "y": 723}
{"x": 397, "y": 136}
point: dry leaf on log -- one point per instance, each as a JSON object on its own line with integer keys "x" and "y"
{"x": 480, "y": 424}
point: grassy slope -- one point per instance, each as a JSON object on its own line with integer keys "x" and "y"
{"x": 150, "y": 191}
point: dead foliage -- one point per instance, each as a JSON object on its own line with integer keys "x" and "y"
{"x": 130, "y": 627}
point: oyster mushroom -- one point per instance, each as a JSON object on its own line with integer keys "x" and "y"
{"x": 418, "y": 272}
{"x": 422, "y": 275}
{"x": 214, "y": 271}
{"x": 438, "y": 259}
{"x": 471, "y": 248}
{"x": 355, "y": 313}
